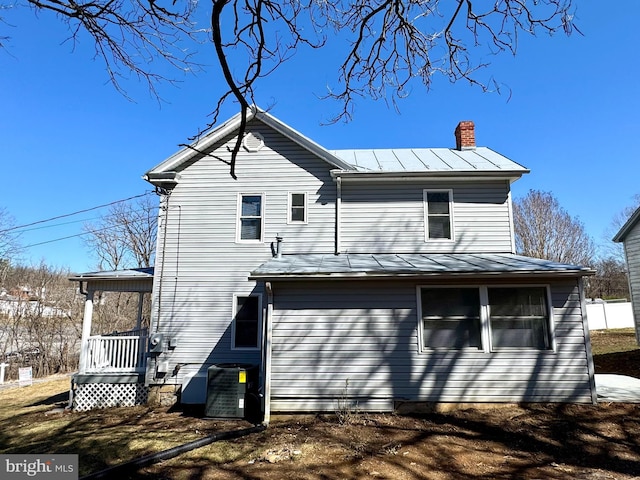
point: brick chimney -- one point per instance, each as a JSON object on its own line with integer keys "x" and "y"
{"x": 465, "y": 136}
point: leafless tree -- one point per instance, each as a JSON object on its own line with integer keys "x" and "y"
{"x": 40, "y": 320}
{"x": 610, "y": 280}
{"x": 126, "y": 235}
{"x": 382, "y": 47}
{"x": 543, "y": 229}
{"x": 611, "y": 248}
{"x": 9, "y": 242}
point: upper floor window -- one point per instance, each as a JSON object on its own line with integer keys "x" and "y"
{"x": 487, "y": 318}
{"x": 246, "y": 324}
{"x": 438, "y": 214}
{"x": 250, "y": 217}
{"x": 297, "y": 208}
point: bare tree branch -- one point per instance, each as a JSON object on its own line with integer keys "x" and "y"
{"x": 543, "y": 229}
{"x": 391, "y": 45}
{"x": 125, "y": 236}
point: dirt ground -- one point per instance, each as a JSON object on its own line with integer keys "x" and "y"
{"x": 540, "y": 441}
{"x": 536, "y": 442}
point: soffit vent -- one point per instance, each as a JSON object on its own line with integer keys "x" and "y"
{"x": 253, "y": 141}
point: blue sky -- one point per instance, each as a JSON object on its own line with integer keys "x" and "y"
{"x": 69, "y": 141}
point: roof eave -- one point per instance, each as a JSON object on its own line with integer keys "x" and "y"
{"x": 88, "y": 278}
{"x": 417, "y": 275}
{"x": 356, "y": 176}
{"x": 228, "y": 127}
{"x": 162, "y": 179}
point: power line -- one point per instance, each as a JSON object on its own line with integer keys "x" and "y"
{"x": 104, "y": 217}
{"x": 111, "y": 227}
{"x": 74, "y": 213}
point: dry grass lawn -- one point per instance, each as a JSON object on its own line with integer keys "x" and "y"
{"x": 539, "y": 441}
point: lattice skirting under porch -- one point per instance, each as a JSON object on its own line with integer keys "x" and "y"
{"x": 89, "y": 396}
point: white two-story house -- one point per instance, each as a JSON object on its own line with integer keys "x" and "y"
{"x": 375, "y": 276}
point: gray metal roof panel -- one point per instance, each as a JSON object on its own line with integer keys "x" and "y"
{"x": 428, "y": 159}
{"x": 410, "y": 264}
{"x": 128, "y": 274}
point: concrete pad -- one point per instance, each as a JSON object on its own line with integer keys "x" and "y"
{"x": 617, "y": 388}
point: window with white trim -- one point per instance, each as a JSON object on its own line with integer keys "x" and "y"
{"x": 450, "y": 318}
{"x": 519, "y": 317}
{"x": 487, "y": 318}
{"x": 246, "y": 322}
{"x": 297, "y": 208}
{"x": 438, "y": 213}
{"x": 250, "y": 217}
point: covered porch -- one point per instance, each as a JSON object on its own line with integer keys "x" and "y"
{"x": 112, "y": 360}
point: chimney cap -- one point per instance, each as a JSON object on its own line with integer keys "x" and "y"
{"x": 465, "y": 135}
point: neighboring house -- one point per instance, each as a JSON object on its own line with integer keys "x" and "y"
{"x": 373, "y": 277}
{"x": 629, "y": 235}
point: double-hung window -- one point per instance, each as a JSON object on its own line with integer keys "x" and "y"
{"x": 487, "y": 318}
{"x": 246, "y": 322}
{"x": 518, "y": 317}
{"x": 297, "y": 208}
{"x": 450, "y": 318}
{"x": 250, "y": 217}
{"x": 438, "y": 212}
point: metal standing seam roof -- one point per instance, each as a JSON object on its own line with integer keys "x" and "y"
{"x": 480, "y": 159}
{"x": 384, "y": 265}
{"x": 129, "y": 274}
{"x": 403, "y": 160}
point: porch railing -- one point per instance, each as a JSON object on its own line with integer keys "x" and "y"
{"x": 116, "y": 354}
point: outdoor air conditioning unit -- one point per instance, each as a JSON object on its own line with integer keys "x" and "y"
{"x": 232, "y": 391}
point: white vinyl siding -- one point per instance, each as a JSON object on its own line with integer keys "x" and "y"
{"x": 632, "y": 254}
{"x": 327, "y": 334}
{"x": 205, "y": 266}
{"x": 390, "y": 218}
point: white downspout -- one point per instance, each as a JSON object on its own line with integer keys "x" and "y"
{"x": 86, "y": 331}
{"x": 338, "y": 213}
{"x": 267, "y": 354}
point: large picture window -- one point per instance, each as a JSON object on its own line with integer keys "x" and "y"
{"x": 246, "y": 322}
{"x": 438, "y": 214}
{"x": 485, "y": 317}
{"x": 250, "y": 217}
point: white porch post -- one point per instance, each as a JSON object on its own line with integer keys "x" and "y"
{"x": 86, "y": 331}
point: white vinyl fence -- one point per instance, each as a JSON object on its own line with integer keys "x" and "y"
{"x": 610, "y": 315}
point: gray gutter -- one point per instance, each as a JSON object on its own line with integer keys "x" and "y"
{"x": 353, "y": 176}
